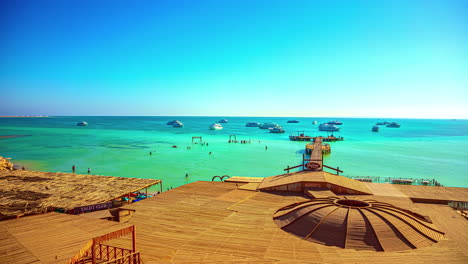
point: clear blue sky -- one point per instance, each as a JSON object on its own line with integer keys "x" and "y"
{"x": 235, "y": 58}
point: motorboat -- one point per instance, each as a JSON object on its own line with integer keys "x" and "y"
{"x": 82, "y": 123}
{"x": 252, "y": 124}
{"x": 172, "y": 122}
{"x": 268, "y": 125}
{"x": 393, "y": 124}
{"x": 328, "y": 127}
{"x": 314, "y": 122}
{"x": 375, "y": 129}
{"x": 178, "y": 124}
{"x": 382, "y": 123}
{"x": 216, "y": 126}
{"x": 276, "y": 129}
{"x": 293, "y": 121}
{"x": 335, "y": 122}
{"x": 223, "y": 121}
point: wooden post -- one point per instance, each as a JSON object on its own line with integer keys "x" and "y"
{"x": 100, "y": 251}
{"x": 93, "y": 254}
{"x": 287, "y": 169}
{"x": 134, "y": 239}
{"x": 337, "y": 170}
{"x": 303, "y": 158}
{"x": 160, "y": 185}
{"x": 146, "y": 192}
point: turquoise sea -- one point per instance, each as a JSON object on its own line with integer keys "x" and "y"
{"x": 120, "y": 146}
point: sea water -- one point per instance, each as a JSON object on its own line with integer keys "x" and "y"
{"x": 121, "y": 146}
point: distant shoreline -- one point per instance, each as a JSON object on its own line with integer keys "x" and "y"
{"x": 12, "y": 136}
{"x": 27, "y": 116}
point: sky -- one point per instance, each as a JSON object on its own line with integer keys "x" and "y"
{"x": 406, "y": 59}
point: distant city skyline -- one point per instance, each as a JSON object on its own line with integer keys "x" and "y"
{"x": 378, "y": 59}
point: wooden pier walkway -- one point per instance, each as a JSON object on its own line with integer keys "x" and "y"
{"x": 316, "y": 160}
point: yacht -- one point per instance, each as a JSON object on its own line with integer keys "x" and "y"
{"x": 276, "y": 129}
{"x": 293, "y": 121}
{"x": 375, "y": 129}
{"x": 216, "y": 126}
{"x": 252, "y": 124}
{"x": 172, "y": 122}
{"x": 393, "y": 124}
{"x": 223, "y": 121}
{"x": 83, "y": 123}
{"x": 178, "y": 124}
{"x": 335, "y": 123}
{"x": 268, "y": 125}
{"x": 382, "y": 123}
{"x": 328, "y": 127}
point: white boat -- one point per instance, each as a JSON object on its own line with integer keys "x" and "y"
{"x": 328, "y": 127}
{"x": 83, "y": 123}
{"x": 223, "y": 121}
{"x": 252, "y": 124}
{"x": 393, "y": 124}
{"x": 268, "y": 125}
{"x": 172, "y": 122}
{"x": 178, "y": 124}
{"x": 335, "y": 122}
{"x": 216, "y": 126}
{"x": 375, "y": 129}
{"x": 276, "y": 129}
{"x": 314, "y": 122}
{"x": 382, "y": 123}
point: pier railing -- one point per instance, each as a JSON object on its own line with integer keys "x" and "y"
{"x": 461, "y": 206}
{"x": 395, "y": 180}
{"x": 133, "y": 258}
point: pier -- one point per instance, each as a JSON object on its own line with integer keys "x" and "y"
{"x": 302, "y": 137}
{"x": 316, "y": 159}
{"x": 315, "y": 162}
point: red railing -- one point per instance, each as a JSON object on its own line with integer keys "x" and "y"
{"x": 105, "y": 252}
{"x": 133, "y": 258}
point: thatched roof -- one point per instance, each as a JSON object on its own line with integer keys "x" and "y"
{"x": 5, "y": 164}
{"x": 32, "y": 192}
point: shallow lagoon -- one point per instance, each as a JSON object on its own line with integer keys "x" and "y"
{"x": 120, "y": 146}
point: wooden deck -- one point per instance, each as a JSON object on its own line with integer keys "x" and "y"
{"x": 244, "y": 179}
{"x": 320, "y": 179}
{"x": 207, "y": 222}
{"x": 319, "y": 192}
{"x": 384, "y": 189}
{"x": 49, "y": 238}
{"x": 421, "y": 193}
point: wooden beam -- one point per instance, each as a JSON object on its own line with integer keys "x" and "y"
{"x": 331, "y": 168}
{"x": 134, "y": 239}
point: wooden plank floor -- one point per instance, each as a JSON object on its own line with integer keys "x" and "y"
{"x": 316, "y": 155}
{"x": 384, "y": 189}
{"x": 49, "y": 238}
{"x": 433, "y": 192}
{"x": 244, "y": 179}
{"x": 207, "y": 222}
